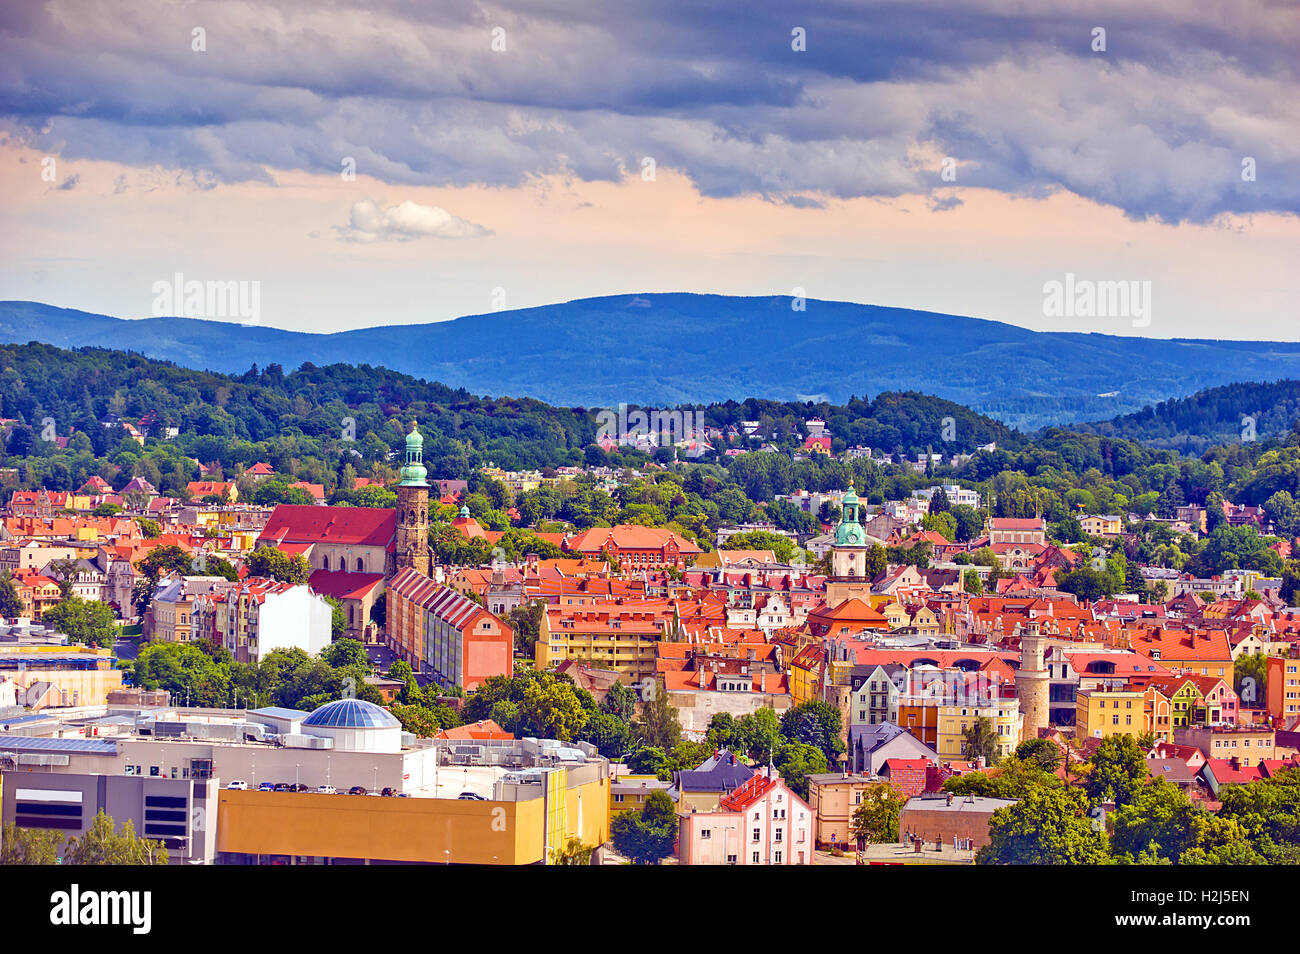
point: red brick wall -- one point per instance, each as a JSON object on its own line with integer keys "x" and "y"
{"x": 945, "y": 825}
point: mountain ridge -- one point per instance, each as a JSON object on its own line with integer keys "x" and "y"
{"x": 683, "y": 348}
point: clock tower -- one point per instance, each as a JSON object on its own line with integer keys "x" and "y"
{"x": 413, "y": 508}
{"x": 849, "y": 577}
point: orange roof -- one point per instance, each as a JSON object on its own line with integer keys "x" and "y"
{"x": 485, "y": 730}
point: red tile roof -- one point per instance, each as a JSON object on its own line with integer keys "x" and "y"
{"x": 344, "y": 586}
{"x": 306, "y": 523}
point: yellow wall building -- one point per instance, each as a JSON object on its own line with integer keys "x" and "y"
{"x": 309, "y": 826}
{"x": 1106, "y": 712}
{"x": 954, "y": 719}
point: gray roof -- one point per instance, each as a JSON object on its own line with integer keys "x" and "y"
{"x": 968, "y": 803}
{"x": 24, "y": 743}
{"x": 719, "y": 773}
{"x": 279, "y": 712}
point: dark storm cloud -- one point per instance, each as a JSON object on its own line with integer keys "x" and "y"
{"x": 1157, "y": 125}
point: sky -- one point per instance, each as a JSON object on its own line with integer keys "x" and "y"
{"x": 403, "y": 161}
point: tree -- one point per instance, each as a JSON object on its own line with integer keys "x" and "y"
{"x": 338, "y": 618}
{"x": 102, "y": 844}
{"x": 526, "y": 621}
{"x": 981, "y": 740}
{"x": 796, "y": 761}
{"x": 167, "y": 559}
{"x": 551, "y": 709}
{"x": 659, "y": 724}
{"x": 815, "y": 723}
{"x": 277, "y": 565}
{"x": 876, "y": 561}
{"x": 1162, "y": 820}
{"x": 1043, "y": 753}
{"x": 782, "y": 547}
{"x": 1048, "y": 826}
{"x": 11, "y": 605}
{"x": 82, "y": 621}
{"x": 349, "y": 652}
{"x": 971, "y": 583}
{"x": 1250, "y": 678}
{"x": 1119, "y": 769}
{"x": 608, "y": 733}
{"x": 648, "y": 836}
{"x": 29, "y": 846}
{"x": 1012, "y": 778}
{"x": 574, "y": 852}
{"x": 876, "y": 819}
{"x": 760, "y": 734}
{"x": 620, "y": 700}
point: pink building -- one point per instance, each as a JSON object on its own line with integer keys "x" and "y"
{"x": 760, "y": 823}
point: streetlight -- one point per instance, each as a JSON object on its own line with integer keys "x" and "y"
{"x": 296, "y": 767}
{"x": 376, "y": 785}
{"x": 327, "y": 771}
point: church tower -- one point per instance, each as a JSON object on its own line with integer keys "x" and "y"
{"x": 413, "y": 508}
{"x": 849, "y": 578}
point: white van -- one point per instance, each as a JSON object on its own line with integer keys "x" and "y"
{"x": 238, "y": 785}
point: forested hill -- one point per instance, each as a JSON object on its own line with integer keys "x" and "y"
{"x": 668, "y": 349}
{"x": 359, "y": 412}
{"x": 1222, "y": 415}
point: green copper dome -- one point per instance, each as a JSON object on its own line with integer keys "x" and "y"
{"x": 849, "y": 532}
{"x": 413, "y": 472}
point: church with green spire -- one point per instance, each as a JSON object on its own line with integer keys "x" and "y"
{"x": 848, "y": 579}
{"x": 413, "y": 507}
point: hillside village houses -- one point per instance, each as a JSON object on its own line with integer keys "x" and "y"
{"x": 910, "y": 659}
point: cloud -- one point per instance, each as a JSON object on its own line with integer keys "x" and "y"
{"x": 405, "y": 222}
{"x": 1156, "y": 126}
{"x": 69, "y": 183}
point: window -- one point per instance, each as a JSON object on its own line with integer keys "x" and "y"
{"x": 776, "y": 858}
{"x": 757, "y": 833}
{"x": 706, "y": 834}
{"x": 756, "y": 858}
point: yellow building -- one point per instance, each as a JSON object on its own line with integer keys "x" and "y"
{"x": 955, "y": 718}
{"x": 834, "y": 797}
{"x": 305, "y": 828}
{"x": 1105, "y": 712}
{"x": 627, "y": 793}
{"x": 1101, "y": 525}
{"x": 612, "y": 636}
{"x": 806, "y": 675}
{"x": 51, "y": 676}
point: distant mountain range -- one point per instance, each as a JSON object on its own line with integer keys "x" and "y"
{"x": 670, "y": 349}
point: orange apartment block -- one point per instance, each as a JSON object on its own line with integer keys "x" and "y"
{"x": 1283, "y": 687}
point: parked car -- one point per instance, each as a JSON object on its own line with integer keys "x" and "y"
{"x": 326, "y": 790}
{"x": 475, "y": 796}
{"x": 357, "y": 790}
{"x": 238, "y": 785}
{"x": 266, "y": 787}
{"x": 389, "y": 792}
{"x": 283, "y": 787}
{"x": 300, "y": 787}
